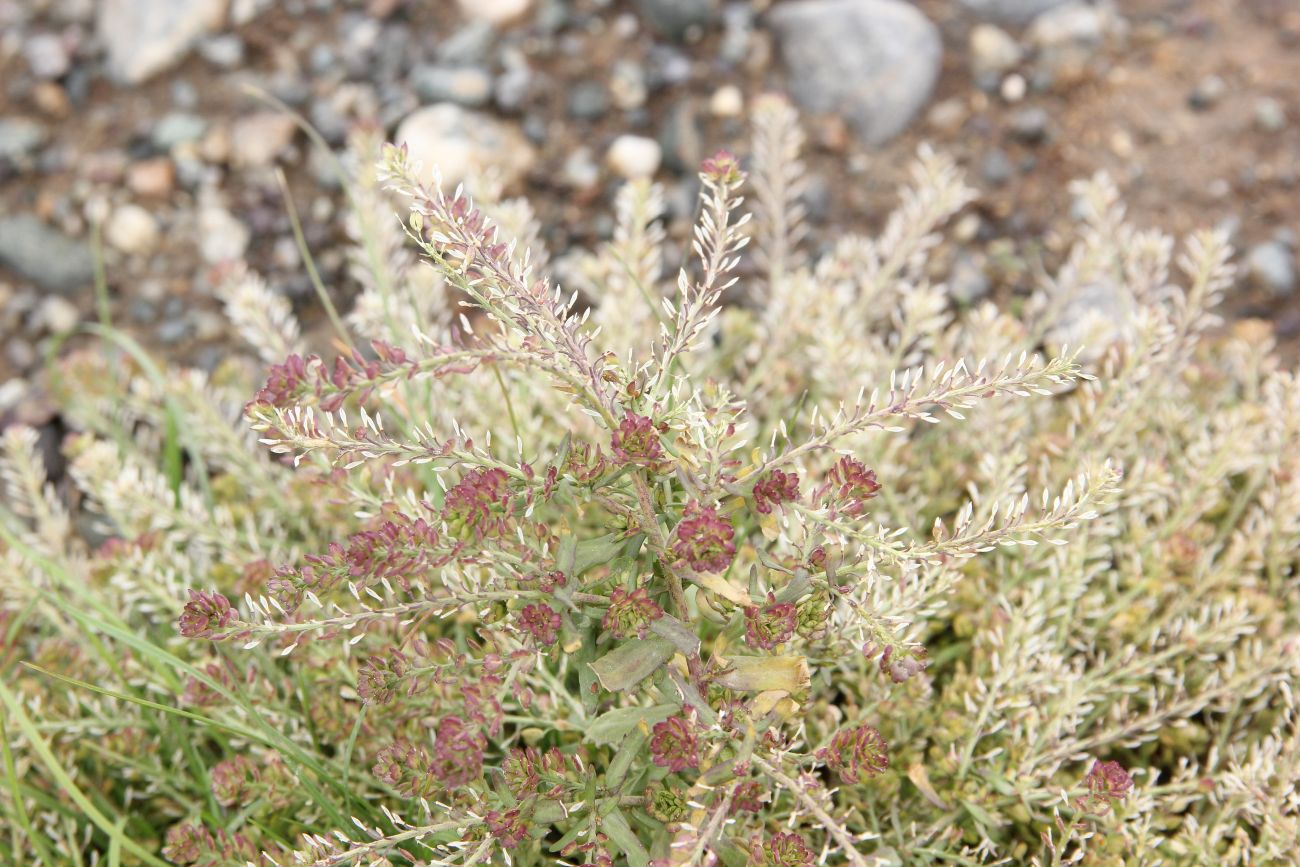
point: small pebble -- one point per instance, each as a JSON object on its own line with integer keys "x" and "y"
{"x": 1029, "y": 125}
{"x": 997, "y": 168}
{"x": 1270, "y": 116}
{"x": 1014, "y": 88}
{"x": 727, "y": 101}
{"x": 47, "y": 56}
{"x": 588, "y": 100}
{"x": 55, "y": 315}
{"x": 993, "y": 52}
{"x": 1207, "y": 93}
{"x": 1270, "y": 266}
{"x": 634, "y": 156}
{"x": 132, "y": 230}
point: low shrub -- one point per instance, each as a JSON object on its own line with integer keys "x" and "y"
{"x": 837, "y": 572}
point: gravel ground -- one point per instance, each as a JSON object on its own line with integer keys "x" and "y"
{"x": 139, "y": 114}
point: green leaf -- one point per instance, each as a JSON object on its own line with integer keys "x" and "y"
{"x": 764, "y": 673}
{"x": 620, "y": 832}
{"x": 611, "y": 727}
{"x": 631, "y": 662}
{"x": 682, "y": 636}
{"x": 594, "y": 552}
{"x": 623, "y": 759}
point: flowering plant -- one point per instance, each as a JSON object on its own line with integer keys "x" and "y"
{"x": 623, "y": 583}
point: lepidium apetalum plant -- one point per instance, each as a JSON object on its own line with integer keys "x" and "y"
{"x": 630, "y": 577}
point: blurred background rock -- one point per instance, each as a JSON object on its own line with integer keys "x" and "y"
{"x": 137, "y": 113}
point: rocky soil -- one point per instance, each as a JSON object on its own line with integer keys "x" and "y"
{"x": 139, "y": 116}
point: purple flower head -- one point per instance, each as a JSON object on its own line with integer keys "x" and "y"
{"x": 458, "y": 752}
{"x": 748, "y": 796}
{"x": 722, "y": 168}
{"x": 771, "y": 624}
{"x": 379, "y": 677}
{"x": 233, "y": 781}
{"x": 205, "y": 615}
{"x": 479, "y": 506}
{"x": 1108, "y": 784}
{"x": 284, "y": 382}
{"x": 902, "y": 664}
{"x": 507, "y": 827}
{"x": 856, "y": 753}
{"x": 630, "y": 612}
{"x": 187, "y": 843}
{"x": 521, "y": 770}
{"x": 704, "y": 539}
{"x": 782, "y": 849}
{"x": 673, "y": 745}
{"x": 850, "y": 484}
{"x": 541, "y": 622}
{"x": 779, "y": 487}
{"x": 636, "y": 441}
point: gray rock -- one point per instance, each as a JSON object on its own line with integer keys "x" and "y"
{"x": 226, "y": 50}
{"x": 1068, "y": 38}
{"x": 44, "y": 255}
{"x": 681, "y": 138}
{"x": 967, "y": 282}
{"x": 737, "y": 31}
{"x": 627, "y": 84}
{"x": 873, "y": 61}
{"x": 1270, "y": 116}
{"x": 468, "y": 46}
{"x": 144, "y": 37}
{"x": 465, "y": 145}
{"x": 47, "y": 56}
{"x": 470, "y": 86}
{"x": 588, "y": 100}
{"x": 177, "y": 128}
{"x": 1075, "y": 21}
{"x": 1029, "y": 125}
{"x": 997, "y": 168}
{"x": 514, "y": 83}
{"x": 222, "y": 237}
{"x": 1207, "y": 93}
{"x": 1012, "y": 11}
{"x": 993, "y": 52}
{"x": 1270, "y": 266}
{"x": 1093, "y": 317}
{"x": 19, "y": 138}
{"x": 668, "y": 67}
{"x": 676, "y": 18}
{"x": 580, "y": 170}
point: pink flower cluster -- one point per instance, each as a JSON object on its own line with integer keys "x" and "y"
{"x": 673, "y": 745}
{"x": 296, "y": 377}
{"x": 479, "y": 505}
{"x": 771, "y": 624}
{"x": 541, "y": 622}
{"x": 630, "y": 612}
{"x": 1108, "y": 784}
{"x": 856, "y": 753}
{"x": 397, "y": 548}
{"x": 637, "y": 441}
{"x": 779, "y": 487}
{"x": 205, "y": 615}
{"x": 782, "y": 849}
{"x": 849, "y": 485}
{"x": 704, "y": 539}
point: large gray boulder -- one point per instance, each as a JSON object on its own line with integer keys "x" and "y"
{"x": 874, "y": 62}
